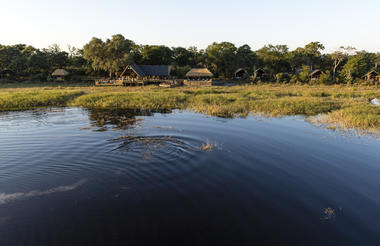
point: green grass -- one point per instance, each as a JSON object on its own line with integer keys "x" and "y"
{"x": 342, "y": 105}
{"x": 365, "y": 117}
{"x": 33, "y": 99}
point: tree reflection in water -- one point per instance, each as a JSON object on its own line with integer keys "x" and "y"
{"x": 120, "y": 119}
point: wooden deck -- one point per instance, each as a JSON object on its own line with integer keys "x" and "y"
{"x": 134, "y": 82}
{"x": 198, "y": 82}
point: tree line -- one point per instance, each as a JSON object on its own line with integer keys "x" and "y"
{"x": 109, "y": 58}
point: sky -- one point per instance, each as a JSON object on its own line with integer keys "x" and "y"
{"x": 197, "y": 23}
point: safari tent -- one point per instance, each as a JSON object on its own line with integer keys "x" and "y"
{"x": 315, "y": 74}
{"x": 241, "y": 73}
{"x": 372, "y": 75}
{"x": 260, "y": 73}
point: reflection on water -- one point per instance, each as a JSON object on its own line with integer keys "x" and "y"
{"x": 6, "y": 198}
{"x": 118, "y": 119}
{"x": 147, "y": 180}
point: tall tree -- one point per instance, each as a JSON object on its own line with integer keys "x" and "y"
{"x": 245, "y": 57}
{"x": 181, "y": 56}
{"x": 111, "y": 56}
{"x": 156, "y": 55}
{"x": 274, "y": 58}
{"x": 221, "y": 57}
{"x": 313, "y": 53}
{"x": 338, "y": 57}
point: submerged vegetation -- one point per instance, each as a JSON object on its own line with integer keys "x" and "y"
{"x": 347, "y": 107}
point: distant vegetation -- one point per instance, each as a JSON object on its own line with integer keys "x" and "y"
{"x": 108, "y": 58}
{"x": 341, "y": 105}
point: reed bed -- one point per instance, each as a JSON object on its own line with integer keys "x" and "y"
{"x": 347, "y": 106}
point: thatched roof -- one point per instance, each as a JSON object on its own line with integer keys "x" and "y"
{"x": 151, "y": 70}
{"x": 60, "y": 72}
{"x": 199, "y": 72}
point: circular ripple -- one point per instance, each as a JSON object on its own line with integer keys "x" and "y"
{"x": 158, "y": 148}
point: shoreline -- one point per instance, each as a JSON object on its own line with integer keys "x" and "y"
{"x": 345, "y": 106}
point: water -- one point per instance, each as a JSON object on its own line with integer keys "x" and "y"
{"x": 76, "y": 177}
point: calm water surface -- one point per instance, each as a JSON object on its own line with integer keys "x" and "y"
{"x": 76, "y": 177}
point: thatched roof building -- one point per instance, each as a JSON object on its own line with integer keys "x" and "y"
{"x": 144, "y": 71}
{"x": 60, "y": 73}
{"x": 199, "y": 72}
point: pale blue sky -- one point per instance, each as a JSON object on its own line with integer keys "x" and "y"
{"x": 193, "y": 23}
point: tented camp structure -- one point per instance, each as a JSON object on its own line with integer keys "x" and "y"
{"x": 315, "y": 74}
{"x": 141, "y": 75}
{"x": 241, "y": 73}
{"x": 199, "y": 76}
{"x": 372, "y": 75}
{"x": 260, "y": 73}
{"x": 60, "y": 74}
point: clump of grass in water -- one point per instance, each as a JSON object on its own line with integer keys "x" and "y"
{"x": 328, "y": 214}
{"x": 366, "y": 117}
{"x": 208, "y": 147}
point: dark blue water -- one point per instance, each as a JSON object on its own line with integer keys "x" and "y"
{"x": 78, "y": 177}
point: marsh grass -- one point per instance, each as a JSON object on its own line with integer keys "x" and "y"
{"x": 358, "y": 116}
{"x": 343, "y": 105}
{"x": 33, "y": 99}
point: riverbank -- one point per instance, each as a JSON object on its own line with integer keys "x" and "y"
{"x": 346, "y": 107}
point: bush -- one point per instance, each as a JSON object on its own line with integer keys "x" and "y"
{"x": 282, "y": 77}
{"x": 324, "y": 79}
{"x": 38, "y": 77}
{"x": 304, "y": 75}
{"x": 293, "y": 79}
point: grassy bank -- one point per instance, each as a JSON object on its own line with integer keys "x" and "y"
{"x": 344, "y": 106}
{"x": 33, "y": 99}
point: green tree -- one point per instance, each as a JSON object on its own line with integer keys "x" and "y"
{"x": 338, "y": 57}
{"x": 296, "y": 59}
{"x": 221, "y": 57}
{"x": 304, "y": 74}
{"x": 354, "y": 68}
{"x": 182, "y": 56}
{"x": 111, "y": 56}
{"x": 156, "y": 55}
{"x": 274, "y": 58}
{"x": 313, "y": 53}
{"x": 246, "y": 58}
